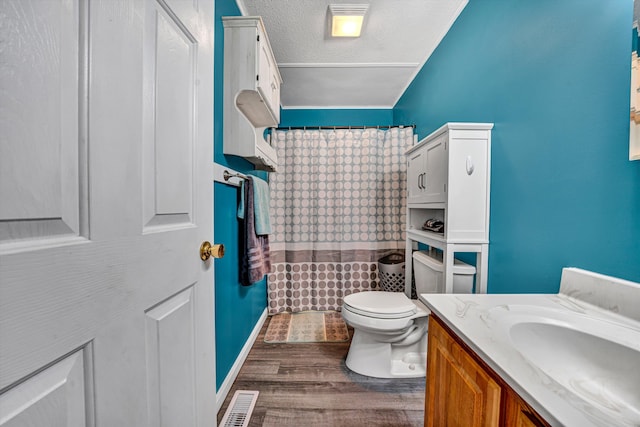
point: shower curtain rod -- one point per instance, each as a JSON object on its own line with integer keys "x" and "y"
{"x": 341, "y": 127}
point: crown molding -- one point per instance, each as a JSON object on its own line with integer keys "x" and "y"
{"x": 348, "y": 65}
{"x": 338, "y": 107}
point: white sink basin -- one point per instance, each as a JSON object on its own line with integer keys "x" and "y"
{"x": 595, "y": 359}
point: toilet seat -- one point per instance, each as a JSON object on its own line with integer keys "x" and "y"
{"x": 380, "y": 305}
{"x": 381, "y": 312}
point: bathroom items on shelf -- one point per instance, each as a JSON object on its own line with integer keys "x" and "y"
{"x": 434, "y": 225}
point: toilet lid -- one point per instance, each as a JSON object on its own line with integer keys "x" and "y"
{"x": 387, "y": 305}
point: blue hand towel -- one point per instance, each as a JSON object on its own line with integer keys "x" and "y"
{"x": 260, "y": 205}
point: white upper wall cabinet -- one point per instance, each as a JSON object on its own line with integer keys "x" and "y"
{"x": 251, "y": 91}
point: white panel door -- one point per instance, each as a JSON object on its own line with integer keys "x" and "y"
{"x": 106, "y": 147}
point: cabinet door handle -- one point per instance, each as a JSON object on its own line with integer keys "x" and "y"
{"x": 470, "y": 166}
{"x": 421, "y": 181}
{"x": 424, "y": 179}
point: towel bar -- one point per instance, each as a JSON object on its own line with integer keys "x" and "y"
{"x": 228, "y": 175}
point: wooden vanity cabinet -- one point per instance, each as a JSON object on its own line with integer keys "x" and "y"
{"x": 459, "y": 391}
{"x": 518, "y": 414}
{"x": 463, "y": 391}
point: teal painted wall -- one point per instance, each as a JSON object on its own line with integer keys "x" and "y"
{"x": 330, "y": 117}
{"x": 554, "y": 77}
{"x": 238, "y": 307}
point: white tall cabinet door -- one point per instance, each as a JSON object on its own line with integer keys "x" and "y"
{"x": 426, "y": 173}
{"x": 415, "y": 176}
{"x": 106, "y": 141}
{"x": 436, "y": 172}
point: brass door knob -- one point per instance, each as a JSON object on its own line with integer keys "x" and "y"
{"x": 208, "y": 250}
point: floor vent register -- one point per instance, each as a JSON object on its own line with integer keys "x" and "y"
{"x": 239, "y": 411}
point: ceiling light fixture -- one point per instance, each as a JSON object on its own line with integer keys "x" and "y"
{"x": 347, "y": 19}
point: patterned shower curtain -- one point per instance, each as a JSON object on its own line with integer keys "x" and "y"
{"x": 337, "y": 206}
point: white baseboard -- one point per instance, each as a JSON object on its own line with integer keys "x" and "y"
{"x": 235, "y": 369}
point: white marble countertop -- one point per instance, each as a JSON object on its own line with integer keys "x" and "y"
{"x": 484, "y": 321}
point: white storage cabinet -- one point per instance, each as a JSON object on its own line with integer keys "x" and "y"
{"x": 251, "y": 91}
{"x": 448, "y": 178}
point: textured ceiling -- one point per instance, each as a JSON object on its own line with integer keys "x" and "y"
{"x": 371, "y": 71}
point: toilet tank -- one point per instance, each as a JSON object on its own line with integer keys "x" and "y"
{"x": 428, "y": 271}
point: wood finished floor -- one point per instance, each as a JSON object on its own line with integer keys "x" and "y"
{"x": 309, "y": 385}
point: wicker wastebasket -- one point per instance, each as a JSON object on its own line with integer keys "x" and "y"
{"x": 391, "y": 271}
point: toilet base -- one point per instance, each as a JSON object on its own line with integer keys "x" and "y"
{"x": 370, "y": 357}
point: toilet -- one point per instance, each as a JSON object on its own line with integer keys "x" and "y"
{"x": 390, "y": 330}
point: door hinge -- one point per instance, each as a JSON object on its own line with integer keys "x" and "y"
{"x": 445, "y": 188}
